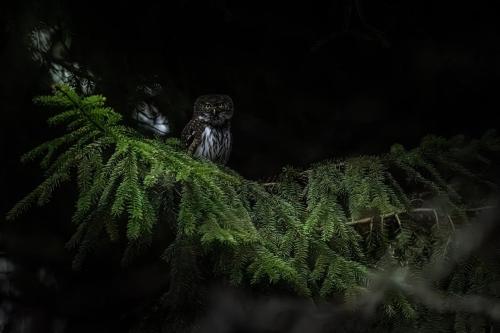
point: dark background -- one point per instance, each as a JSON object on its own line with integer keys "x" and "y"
{"x": 310, "y": 81}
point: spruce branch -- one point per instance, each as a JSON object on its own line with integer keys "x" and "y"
{"x": 300, "y": 231}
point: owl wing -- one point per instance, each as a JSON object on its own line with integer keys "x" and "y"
{"x": 191, "y": 135}
{"x": 229, "y": 143}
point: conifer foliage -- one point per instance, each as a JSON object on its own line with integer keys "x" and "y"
{"x": 320, "y": 233}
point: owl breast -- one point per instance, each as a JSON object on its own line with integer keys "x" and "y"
{"x": 215, "y": 144}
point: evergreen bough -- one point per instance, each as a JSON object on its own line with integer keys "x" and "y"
{"x": 321, "y": 233}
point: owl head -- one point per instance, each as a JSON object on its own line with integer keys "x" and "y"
{"x": 213, "y": 109}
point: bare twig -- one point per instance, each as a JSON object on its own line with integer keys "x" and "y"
{"x": 451, "y": 222}
{"x": 416, "y": 210}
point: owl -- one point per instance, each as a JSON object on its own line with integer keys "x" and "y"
{"x": 208, "y": 133}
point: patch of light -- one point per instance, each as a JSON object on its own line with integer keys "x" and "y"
{"x": 41, "y": 42}
{"x": 60, "y": 74}
{"x": 49, "y": 46}
{"x": 149, "y": 118}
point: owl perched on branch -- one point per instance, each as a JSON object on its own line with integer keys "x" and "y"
{"x": 208, "y": 133}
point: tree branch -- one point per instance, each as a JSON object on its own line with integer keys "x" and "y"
{"x": 416, "y": 210}
{"x": 78, "y": 106}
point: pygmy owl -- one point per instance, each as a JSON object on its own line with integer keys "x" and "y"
{"x": 208, "y": 133}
